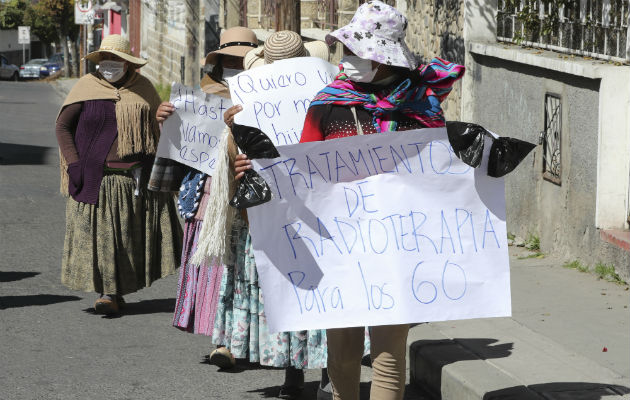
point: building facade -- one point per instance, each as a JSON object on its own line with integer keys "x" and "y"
{"x": 571, "y": 192}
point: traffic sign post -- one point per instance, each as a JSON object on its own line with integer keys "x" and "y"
{"x": 83, "y": 12}
{"x": 84, "y": 15}
{"x": 24, "y": 37}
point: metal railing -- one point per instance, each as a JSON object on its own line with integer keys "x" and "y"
{"x": 327, "y": 15}
{"x": 592, "y": 28}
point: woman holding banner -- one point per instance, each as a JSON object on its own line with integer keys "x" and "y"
{"x": 379, "y": 88}
{"x": 119, "y": 236}
{"x": 198, "y": 286}
{"x": 236, "y": 319}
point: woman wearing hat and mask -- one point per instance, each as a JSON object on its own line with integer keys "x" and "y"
{"x": 224, "y": 301}
{"x": 119, "y": 237}
{"x": 241, "y": 311}
{"x": 379, "y": 88}
{"x": 198, "y": 286}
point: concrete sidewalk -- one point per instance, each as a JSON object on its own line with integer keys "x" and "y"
{"x": 63, "y": 85}
{"x": 568, "y": 338}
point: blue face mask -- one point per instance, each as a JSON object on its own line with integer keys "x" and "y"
{"x": 358, "y": 69}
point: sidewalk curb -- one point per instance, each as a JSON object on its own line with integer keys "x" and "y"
{"x": 482, "y": 366}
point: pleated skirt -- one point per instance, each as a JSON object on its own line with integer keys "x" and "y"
{"x": 198, "y": 287}
{"x": 124, "y": 242}
{"x": 240, "y": 323}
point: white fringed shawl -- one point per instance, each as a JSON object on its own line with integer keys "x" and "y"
{"x": 214, "y": 239}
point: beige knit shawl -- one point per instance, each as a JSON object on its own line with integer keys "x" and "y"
{"x": 136, "y": 105}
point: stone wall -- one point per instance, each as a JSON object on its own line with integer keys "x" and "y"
{"x": 436, "y": 29}
{"x": 164, "y": 42}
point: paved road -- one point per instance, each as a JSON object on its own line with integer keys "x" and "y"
{"x": 53, "y": 348}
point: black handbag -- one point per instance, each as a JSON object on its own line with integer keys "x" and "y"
{"x": 252, "y": 190}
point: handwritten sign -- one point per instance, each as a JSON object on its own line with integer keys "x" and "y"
{"x": 192, "y": 134}
{"x": 275, "y": 97}
{"x": 379, "y": 229}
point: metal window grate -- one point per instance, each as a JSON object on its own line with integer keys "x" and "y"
{"x": 327, "y": 16}
{"x": 594, "y": 28}
{"x": 550, "y": 138}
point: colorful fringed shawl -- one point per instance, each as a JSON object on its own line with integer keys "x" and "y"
{"x": 418, "y": 97}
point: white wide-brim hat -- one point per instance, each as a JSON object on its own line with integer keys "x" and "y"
{"x": 282, "y": 45}
{"x": 118, "y": 46}
{"x": 376, "y": 32}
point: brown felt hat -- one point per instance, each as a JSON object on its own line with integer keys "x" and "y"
{"x": 236, "y": 41}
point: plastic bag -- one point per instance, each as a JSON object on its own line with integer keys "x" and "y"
{"x": 252, "y": 190}
{"x": 505, "y": 154}
{"x": 467, "y": 141}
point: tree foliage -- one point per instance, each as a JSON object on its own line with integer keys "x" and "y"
{"x": 12, "y": 13}
{"x": 42, "y": 23}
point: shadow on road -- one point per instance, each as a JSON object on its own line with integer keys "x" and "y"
{"x": 22, "y": 154}
{"x": 33, "y": 300}
{"x": 271, "y": 392}
{"x": 154, "y": 306}
{"x": 558, "y": 390}
{"x": 11, "y": 276}
{"x": 241, "y": 366}
{"x": 310, "y": 392}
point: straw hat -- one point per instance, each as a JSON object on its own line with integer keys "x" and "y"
{"x": 236, "y": 41}
{"x": 376, "y": 32}
{"x": 119, "y": 46}
{"x": 282, "y": 45}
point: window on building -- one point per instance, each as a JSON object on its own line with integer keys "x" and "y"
{"x": 551, "y": 139}
{"x": 327, "y": 15}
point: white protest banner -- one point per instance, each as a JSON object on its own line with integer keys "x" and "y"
{"x": 275, "y": 97}
{"x": 378, "y": 230}
{"x": 191, "y": 135}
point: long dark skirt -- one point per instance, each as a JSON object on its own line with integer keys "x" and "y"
{"x": 123, "y": 243}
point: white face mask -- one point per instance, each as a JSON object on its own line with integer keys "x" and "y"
{"x": 112, "y": 71}
{"x": 358, "y": 69}
{"x": 229, "y": 72}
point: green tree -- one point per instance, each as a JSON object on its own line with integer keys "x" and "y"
{"x": 42, "y": 23}
{"x": 61, "y": 14}
{"x": 12, "y": 13}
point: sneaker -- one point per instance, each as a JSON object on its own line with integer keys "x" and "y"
{"x": 222, "y": 358}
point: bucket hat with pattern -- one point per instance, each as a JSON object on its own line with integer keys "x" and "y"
{"x": 376, "y": 32}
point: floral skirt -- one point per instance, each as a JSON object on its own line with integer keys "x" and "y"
{"x": 123, "y": 243}
{"x": 240, "y": 322}
{"x": 198, "y": 287}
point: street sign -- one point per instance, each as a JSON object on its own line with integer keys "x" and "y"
{"x": 83, "y": 12}
{"x": 24, "y": 34}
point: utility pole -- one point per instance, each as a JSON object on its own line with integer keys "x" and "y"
{"x": 288, "y": 16}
